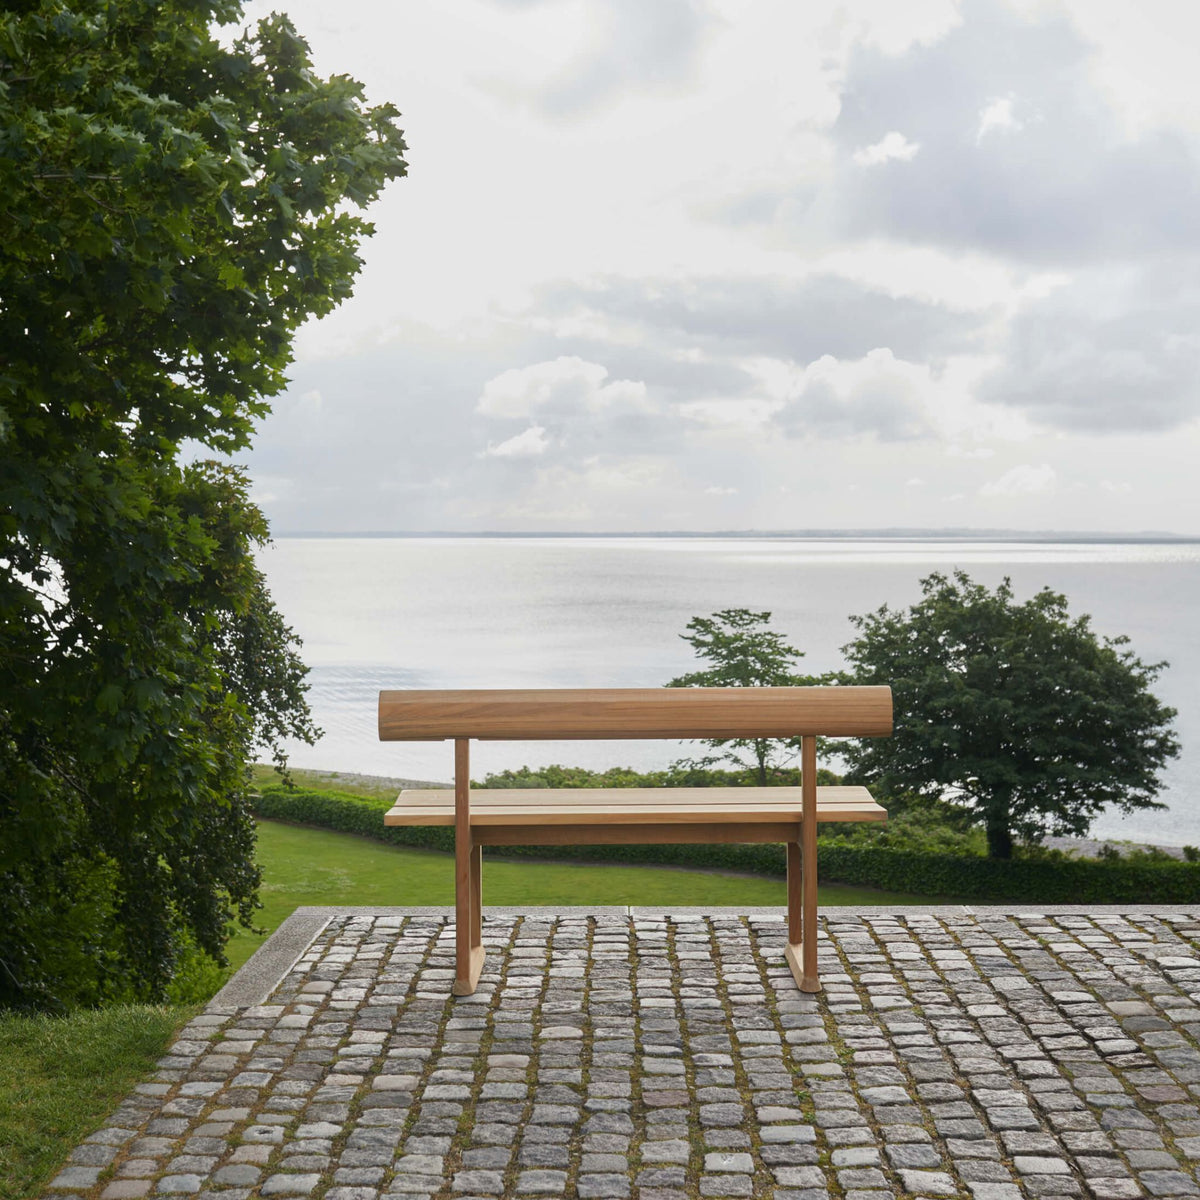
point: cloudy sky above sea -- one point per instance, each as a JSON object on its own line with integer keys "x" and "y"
{"x": 722, "y": 264}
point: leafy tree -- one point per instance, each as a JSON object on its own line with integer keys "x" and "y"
{"x": 173, "y": 209}
{"x": 1017, "y": 712}
{"x": 743, "y": 653}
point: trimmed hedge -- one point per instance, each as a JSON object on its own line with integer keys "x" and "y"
{"x": 1037, "y": 881}
{"x": 1049, "y": 880}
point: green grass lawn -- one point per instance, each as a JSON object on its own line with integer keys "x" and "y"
{"x": 61, "y": 1076}
{"x": 315, "y": 866}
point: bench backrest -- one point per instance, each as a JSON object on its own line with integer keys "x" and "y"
{"x": 604, "y": 713}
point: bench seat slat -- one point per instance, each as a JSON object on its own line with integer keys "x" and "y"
{"x": 631, "y": 806}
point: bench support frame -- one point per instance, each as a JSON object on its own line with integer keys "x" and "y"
{"x": 801, "y": 844}
{"x": 801, "y": 951}
{"x": 468, "y": 880}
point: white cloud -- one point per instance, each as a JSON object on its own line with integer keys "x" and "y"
{"x": 1023, "y": 480}
{"x": 565, "y": 383}
{"x": 997, "y": 114}
{"x": 600, "y": 53}
{"x": 891, "y": 146}
{"x": 1144, "y": 59}
{"x": 878, "y": 395}
{"x": 714, "y": 490}
{"x": 529, "y": 444}
{"x": 957, "y": 281}
{"x": 895, "y": 28}
{"x": 748, "y": 414}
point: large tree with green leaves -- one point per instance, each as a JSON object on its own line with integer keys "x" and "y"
{"x": 172, "y": 208}
{"x": 743, "y": 652}
{"x": 1017, "y": 712}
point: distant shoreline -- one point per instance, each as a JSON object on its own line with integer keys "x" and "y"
{"x": 1050, "y": 537}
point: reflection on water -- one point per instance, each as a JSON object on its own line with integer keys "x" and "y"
{"x": 557, "y": 612}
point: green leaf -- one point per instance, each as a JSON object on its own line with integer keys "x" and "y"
{"x": 158, "y": 189}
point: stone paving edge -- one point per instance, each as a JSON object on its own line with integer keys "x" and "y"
{"x": 261, "y": 973}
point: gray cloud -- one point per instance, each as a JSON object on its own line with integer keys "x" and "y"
{"x": 391, "y": 438}
{"x": 1010, "y": 147}
{"x": 796, "y": 320}
{"x": 885, "y": 408}
{"x": 996, "y": 138}
{"x": 672, "y": 379}
{"x": 1082, "y": 359}
{"x": 367, "y": 441}
{"x": 1047, "y": 177}
{"x": 582, "y": 409}
{"x": 631, "y": 44}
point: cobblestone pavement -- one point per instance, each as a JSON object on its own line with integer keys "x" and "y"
{"x": 982, "y": 1054}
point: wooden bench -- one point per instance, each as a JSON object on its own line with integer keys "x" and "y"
{"x": 582, "y": 816}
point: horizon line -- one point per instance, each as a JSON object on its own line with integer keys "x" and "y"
{"x": 955, "y": 533}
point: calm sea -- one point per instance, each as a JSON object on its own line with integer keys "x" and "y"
{"x": 581, "y": 612}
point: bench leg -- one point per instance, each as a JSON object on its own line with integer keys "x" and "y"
{"x": 468, "y": 939}
{"x": 795, "y": 925}
{"x": 801, "y": 952}
{"x": 477, "y": 897}
{"x": 800, "y": 959}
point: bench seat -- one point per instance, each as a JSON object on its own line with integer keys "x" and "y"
{"x": 550, "y": 816}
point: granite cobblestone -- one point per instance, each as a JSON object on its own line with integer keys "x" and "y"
{"x": 985, "y": 1055}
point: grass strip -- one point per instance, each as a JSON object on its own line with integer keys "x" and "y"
{"x": 60, "y": 1076}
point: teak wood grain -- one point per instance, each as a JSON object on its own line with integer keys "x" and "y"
{"x": 630, "y": 806}
{"x": 513, "y": 817}
{"x": 468, "y": 871}
{"x": 604, "y": 713}
{"x": 608, "y": 834}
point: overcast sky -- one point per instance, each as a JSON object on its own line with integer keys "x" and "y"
{"x": 724, "y": 264}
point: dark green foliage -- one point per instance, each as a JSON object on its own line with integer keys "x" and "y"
{"x": 172, "y": 212}
{"x": 1017, "y": 713}
{"x": 743, "y": 653}
{"x": 918, "y": 825}
{"x": 907, "y": 865}
{"x": 684, "y": 774}
{"x": 1050, "y": 880}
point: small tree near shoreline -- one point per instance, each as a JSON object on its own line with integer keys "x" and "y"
{"x": 743, "y": 653}
{"x": 1019, "y": 713}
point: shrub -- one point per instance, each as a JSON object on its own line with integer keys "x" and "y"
{"x": 680, "y": 774}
